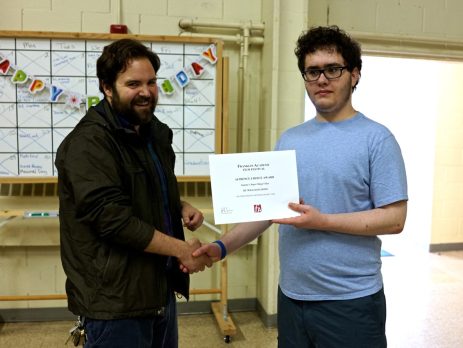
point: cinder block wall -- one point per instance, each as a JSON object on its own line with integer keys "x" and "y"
{"x": 420, "y": 18}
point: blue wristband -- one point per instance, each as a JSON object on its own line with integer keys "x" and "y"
{"x": 223, "y": 250}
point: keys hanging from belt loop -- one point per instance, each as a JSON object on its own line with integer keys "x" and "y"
{"x": 77, "y": 333}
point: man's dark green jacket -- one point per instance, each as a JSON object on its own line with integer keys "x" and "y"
{"x": 110, "y": 204}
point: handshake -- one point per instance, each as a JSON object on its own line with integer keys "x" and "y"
{"x": 196, "y": 256}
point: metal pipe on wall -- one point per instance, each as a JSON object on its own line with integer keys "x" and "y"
{"x": 117, "y": 8}
{"x": 249, "y": 34}
{"x": 187, "y": 23}
{"x": 237, "y": 38}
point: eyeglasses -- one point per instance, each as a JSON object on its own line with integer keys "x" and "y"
{"x": 331, "y": 73}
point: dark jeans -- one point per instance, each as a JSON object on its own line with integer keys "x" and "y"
{"x": 148, "y": 332}
{"x": 357, "y": 323}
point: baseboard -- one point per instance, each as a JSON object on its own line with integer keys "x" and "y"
{"x": 35, "y": 314}
{"x": 204, "y": 307}
{"x": 59, "y": 313}
{"x": 436, "y": 248}
{"x": 269, "y": 320}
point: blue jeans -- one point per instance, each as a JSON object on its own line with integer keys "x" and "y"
{"x": 146, "y": 332}
{"x": 357, "y": 323}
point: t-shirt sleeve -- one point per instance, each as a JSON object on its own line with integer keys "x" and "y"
{"x": 388, "y": 175}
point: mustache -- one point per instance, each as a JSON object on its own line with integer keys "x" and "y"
{"x": 143, "y": 99}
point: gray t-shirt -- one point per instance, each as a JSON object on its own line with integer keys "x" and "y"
{"x": 348, "y": 166}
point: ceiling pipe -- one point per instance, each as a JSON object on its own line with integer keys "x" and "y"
{"x": 249, "y": 34}
{"x": 237, "y": 38}
{"x": 188, "y": 23}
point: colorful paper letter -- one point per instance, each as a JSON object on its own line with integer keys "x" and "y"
{"x": 182, "y": 78}
{"x": 209, "y": 54}
{"x": 36, "y": 86}
{"x": 4, "y": 66}
{"x": 92, "y": 101}
{"x": 166, "y": 87}
{"x": 55, "y": 92}
{"x": 19, "y": 77}
{"x": 197, "y": 69}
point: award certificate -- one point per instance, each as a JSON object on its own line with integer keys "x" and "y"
{"x": 253, "y": 186}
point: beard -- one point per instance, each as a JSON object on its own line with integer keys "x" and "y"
{"x": 136, "y": 111}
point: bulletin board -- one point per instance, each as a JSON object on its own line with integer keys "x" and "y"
{"x": 48, "y": 81}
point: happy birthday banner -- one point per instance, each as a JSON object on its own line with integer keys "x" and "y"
{"x": 168, "y": 87}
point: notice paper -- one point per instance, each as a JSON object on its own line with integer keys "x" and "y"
{"x": 253, "y": 186}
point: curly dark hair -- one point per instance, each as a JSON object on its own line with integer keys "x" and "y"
{"x": 320, "y": 38}
{"x": 117, "y": 55}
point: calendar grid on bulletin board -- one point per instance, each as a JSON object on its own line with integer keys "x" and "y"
{"x": 48, "y": 81}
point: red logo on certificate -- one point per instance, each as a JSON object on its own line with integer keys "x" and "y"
{"x": 257, "y": 208}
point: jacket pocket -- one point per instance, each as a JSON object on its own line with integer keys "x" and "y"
{"x": 115, "y": 267}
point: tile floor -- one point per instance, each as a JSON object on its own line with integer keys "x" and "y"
{"x": 424, "y": 295}
{"x": 425, "y": 310}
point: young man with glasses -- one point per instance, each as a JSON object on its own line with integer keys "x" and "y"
{"x": 353, "y": 188}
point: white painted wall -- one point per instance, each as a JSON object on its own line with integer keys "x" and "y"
{"x": 397, "y": 93}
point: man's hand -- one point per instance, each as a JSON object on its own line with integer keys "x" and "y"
{"x": 192, "y": 217}
{"x": 191, "y": 264}
{"x": 310, "y": 217}
{"x": 212, "y": 250}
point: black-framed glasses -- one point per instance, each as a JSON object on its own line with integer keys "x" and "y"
{"x": 331, "y": 73}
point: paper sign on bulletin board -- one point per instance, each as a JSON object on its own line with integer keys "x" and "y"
{"x": 48, "y": 81}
